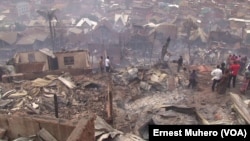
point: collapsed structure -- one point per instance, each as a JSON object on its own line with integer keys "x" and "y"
{"x": 58, "y": 89}
{"x": 157, "y": 95}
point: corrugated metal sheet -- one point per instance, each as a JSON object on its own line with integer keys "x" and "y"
{"x": 48, "y": 52}
{"x": 247, "y": 31}
{"x": 71, "y": 51}
{"x": 26, "y": 41}
{"x": 8, "y": 37}
{"x": 2, "y": 17}
{"x": 123, "y": 17}
{"x": 41, "y": 36}
{"x": 167, "y": 29}
{"x": 7, "y": 11}
{"x": 32, "y": 37}
{"x": 75, "y": 30}
{"x": 88, "y": 21}
{"x": 60, "y": 5}
{"x": 38, "y": 22}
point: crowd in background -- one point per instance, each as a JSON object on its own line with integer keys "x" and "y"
{"x": 224, "y": 76}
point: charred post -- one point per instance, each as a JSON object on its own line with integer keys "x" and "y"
{"x": 56, "y": 105}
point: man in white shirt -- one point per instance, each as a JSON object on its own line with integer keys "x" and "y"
{"x": 217, "y": 74}
{"x": 107, "y": 64}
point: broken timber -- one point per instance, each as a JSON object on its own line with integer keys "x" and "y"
{"x": 240, "y": 107}
{"x": 56, "y": 105}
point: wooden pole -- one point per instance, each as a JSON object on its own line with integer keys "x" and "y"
{"x": 56, "y": 105}
{"x": 151, "y": 53}
{"x": 110, "y": 101}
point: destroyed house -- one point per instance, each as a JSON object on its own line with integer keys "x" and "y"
{"x": 45, "y": 60}
{"x": 78, "y": 59}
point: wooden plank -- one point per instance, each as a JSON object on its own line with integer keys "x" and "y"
{"x": 110, "y": 101}
{"x": 241, "y": 107}
{"x": 45, "y": 135}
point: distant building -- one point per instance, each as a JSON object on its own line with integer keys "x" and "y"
{"x": 86, "y": 25}
{"x": 121, "y": 21}
{"x": 23, "y": 9}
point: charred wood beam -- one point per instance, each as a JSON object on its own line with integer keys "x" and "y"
{"x": 56, "y": 105}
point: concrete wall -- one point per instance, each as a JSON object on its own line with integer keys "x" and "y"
{"x": 23, "y": 57}
{"x": 38, "y": 61}
{"x": 30, "y": 67}
{"x": 62, "y": 130}
{"x": 81, "y": 60}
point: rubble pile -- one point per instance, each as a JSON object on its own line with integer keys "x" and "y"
{"x": 141, "y": 96}
{"x": 37, "y": 96}
{"x": 43, "y": 134}
{"x": 104, "y": 131}
{"x": 144, "y": 79}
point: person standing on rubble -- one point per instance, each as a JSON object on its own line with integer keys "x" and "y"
{"x": 192, "y": 79}
{"x": 222, "y": 85}
{"x": 107, "y": 64}
{"x": 217, "y": 74}
{"x": 180, "y": 63}
{"x": 101, "y": 64}
{"x": 234, "y": 69}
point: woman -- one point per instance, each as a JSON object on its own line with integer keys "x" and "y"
{"x": 223, "y": 83}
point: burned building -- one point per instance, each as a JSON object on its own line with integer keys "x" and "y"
{"x": 45, "y": 60}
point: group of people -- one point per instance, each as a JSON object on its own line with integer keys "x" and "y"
{"x": 105, "y": 63}
{"x": 225, "y": 75}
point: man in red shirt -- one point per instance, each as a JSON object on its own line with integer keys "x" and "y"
{"x": 234, "y": 69}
